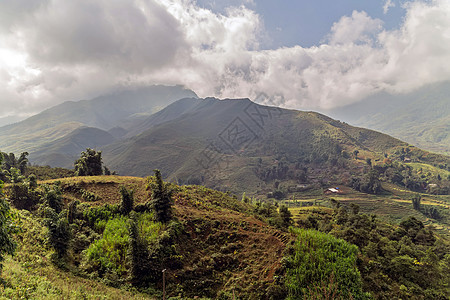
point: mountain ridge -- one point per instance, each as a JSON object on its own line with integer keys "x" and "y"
{"x": 230, "y": 144}
{"x": 233, "y": 143}
{"x": 103, "y": 112}
{"x": 421, "y": 118}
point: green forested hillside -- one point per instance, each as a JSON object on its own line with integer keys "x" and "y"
{"x": 240, "y": 146}
{"x": 231, "y": 144}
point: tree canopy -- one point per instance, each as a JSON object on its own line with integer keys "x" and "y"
{"x": 89, "y": 163}
{"x": 11, "y": 164}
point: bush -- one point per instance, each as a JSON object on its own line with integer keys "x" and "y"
{"x": 108, "y": 254}
{"x": 321, "y": 260}
{"x": 22, "y": 197}
{"x": 59, "y": 233}
{"x": 52, "y": 198}
{"x": 89, "y": 196}
{"x": 94, "y": 214}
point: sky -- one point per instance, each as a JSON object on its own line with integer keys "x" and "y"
{"x": 296, "y": 54}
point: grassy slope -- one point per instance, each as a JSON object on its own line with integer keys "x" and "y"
{"x": 29, "y": 274}
{"x": 244, "y": 252}
{"x": 225, "y": 248}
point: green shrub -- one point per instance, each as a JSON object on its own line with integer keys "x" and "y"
{"x": 148, "y": 228}
{"x": 23, "y": 197}
{"x": 94, "y": 214}
{"x": 7, "y": 243}
{"x": 89, "y": 196}
{"x": 108, "y": 254}
{"x": 321, "y": 260}
{"x": 52, "y": 197}
{"x": 59, "y": 232}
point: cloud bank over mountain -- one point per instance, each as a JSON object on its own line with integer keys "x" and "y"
{"x": 54, "y": 50}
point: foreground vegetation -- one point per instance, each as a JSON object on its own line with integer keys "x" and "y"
{"x": 213, "y": 246}
{"x": 114, "y": 237}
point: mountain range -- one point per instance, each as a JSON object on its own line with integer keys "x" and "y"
{"x": 57, "y": 135}
{"x": 229, "y": 144}
{"x": 421, "y": 118}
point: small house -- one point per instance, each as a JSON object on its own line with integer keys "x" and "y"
{"x": 334, "y": 190}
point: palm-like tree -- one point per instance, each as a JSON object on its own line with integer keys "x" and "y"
{"x": 20, "y": 163}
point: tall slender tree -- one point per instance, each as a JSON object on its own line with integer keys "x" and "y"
{"x": 126, "y": 205}
{"x": 161, "y": 199}
{"x": 138, "y": 254}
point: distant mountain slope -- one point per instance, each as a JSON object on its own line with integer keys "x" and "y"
{"x": 65, "y": 150}
{"x": 245, "y": 146}
{"x": 172, "y": 111}
{"x": 10, "y": 120}
{"x": 50, "y": 126}
{"x": 421, "y": 118}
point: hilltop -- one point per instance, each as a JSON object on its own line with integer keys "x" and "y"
{"x": 216, "y": 244}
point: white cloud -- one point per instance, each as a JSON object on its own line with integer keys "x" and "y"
{"x": 359, "y": 28}
{"x": 387, "y": 5}
{"x": 59, "y": 50}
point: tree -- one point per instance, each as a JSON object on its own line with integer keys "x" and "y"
{"x": 161, "y": 199}
{"x": 7, "y": 243}
{"x": 32, "y": 181}
{"x": 12, "y": 162}
{"x": 286, "y": 216}
{"x": 14, "y": 175}
{"x": 138, "y": 254}
{"x": 416, "y": 201}
{"x": 23, "y": 194}
{"x": 355, "y": 154}
{"x": 355, "y": 208}
{"x": 369, "y": 183}
{"x": 59, "y": 233}
{"x": 89, "y": 163}
{"x": 52, "y": 197}
{"x": 126, "y": 205}
{"x": 106, "y": 171}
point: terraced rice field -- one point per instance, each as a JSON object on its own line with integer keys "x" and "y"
{"x": 393, "y": 206}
